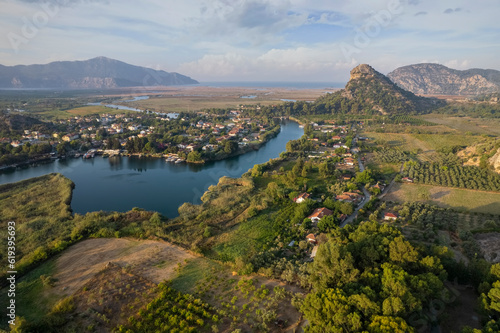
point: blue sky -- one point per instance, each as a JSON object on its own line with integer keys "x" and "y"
{"x": 254, "y": 40}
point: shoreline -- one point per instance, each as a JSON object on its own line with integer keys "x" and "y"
{"x": 241, "y": 151}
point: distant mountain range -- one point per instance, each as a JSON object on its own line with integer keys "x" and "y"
{"x": 435, "y": 79}
{"x": 370, "y": 92}
{"x": 96, "y": 73}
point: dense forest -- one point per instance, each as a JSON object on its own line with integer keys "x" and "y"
{"x": 370, "y": 278}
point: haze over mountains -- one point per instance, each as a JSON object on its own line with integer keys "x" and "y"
{"x": 435, "y": 79}
{"x": 96, "y": 73}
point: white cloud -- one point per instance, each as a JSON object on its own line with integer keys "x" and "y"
{"x": 320, "y": 63}
{"x": 255, "y": 39}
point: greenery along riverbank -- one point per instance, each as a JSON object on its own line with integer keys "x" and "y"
{"x": 204, "y": 136}
{"x": 369, "y": 276}
{"x": 228, "y": 148}
{"x": 369, "y": 273}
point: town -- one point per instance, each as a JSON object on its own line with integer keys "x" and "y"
{"x": 190, "y": 137}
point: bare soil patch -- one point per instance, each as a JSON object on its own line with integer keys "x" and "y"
{"x": 109, "y": 298}
{"x": 152, "y": 260}
{"x": 490, "y": 246}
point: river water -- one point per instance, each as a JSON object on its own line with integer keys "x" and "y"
{"x": 121, "y": 183}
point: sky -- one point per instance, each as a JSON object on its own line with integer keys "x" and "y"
{"x": 254, "y": 40}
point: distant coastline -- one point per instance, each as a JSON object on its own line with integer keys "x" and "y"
{"x": 265, "y": 84}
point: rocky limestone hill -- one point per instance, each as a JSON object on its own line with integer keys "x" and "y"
{"x": 435, "y": 79}
{"x": 97, "y": 73}
{"x": 483, "y": 154}
{"x": 371, "y": 92}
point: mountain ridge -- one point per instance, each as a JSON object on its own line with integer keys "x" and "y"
{"x": 437, "y": 79}
{"x": 95, "y": 73}
{"x": 369, "y": 91}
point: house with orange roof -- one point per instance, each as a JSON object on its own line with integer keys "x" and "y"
{"x": 319, "y": 213}
{"x": 390, "y": 216}
{"x": 302, "y": 197}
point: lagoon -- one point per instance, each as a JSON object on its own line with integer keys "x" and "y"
{"x": 121, "y": 183}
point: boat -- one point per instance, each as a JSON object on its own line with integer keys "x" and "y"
{"x": 89, "y": 154}
{"x": 180, "y": 160}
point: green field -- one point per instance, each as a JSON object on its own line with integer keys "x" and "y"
{"x": 466, "y": 124}
{"x": 459, "y": 199}
{"x": 34, "y": 296}
{"x": 192, "y": 272}
{"x": 199, "y": 98}
{"x": 425, "y": 144}
{"x": 197, "y": 103}
{"x": 91, "y": 109}
{"x": 57, "y": 114}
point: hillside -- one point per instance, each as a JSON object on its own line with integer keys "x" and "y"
{"x": 15, "y": 124}
{"x": 370, "y": 92}
{"x": 435, "y": 79}
{"x": 96, "y": 73}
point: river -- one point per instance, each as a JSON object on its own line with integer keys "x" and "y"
{"x": 121, "y": 183}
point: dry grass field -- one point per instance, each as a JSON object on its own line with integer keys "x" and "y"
{"x": 460, "y": 199}
{"x": 155, "y": 261}
{"x": 425, "y": 144}
{"x": 184, "y": 99}
{"x": 466, "y": 124}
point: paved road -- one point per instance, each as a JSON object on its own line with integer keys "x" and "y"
{"x": 362, "y": 204}
{"x": 388, "y": 188}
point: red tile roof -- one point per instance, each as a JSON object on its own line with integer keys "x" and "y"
{"x": 320, "y": 212}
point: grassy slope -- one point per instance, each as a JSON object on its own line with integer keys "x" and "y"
{"x": 41, "y": 209}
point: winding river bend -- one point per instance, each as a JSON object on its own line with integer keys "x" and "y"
{"x": 121, "y": 183}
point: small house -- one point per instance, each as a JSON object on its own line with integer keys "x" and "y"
{"x": 311, "y": 238}
{"x": 390, "y": 217}
{"x": 302, "y": 197}
{"x": 319, "y": 213}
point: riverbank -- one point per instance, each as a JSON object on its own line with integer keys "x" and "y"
{"x": 267, "y": 136}
{"x": 120, "y": 183}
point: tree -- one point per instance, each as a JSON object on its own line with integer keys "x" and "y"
{"x": 373, "y": 274}
{"x": 61, "y": 148}
{"x": 327, "y": 223}
{"x": 387, "y": 324}
{"x": 325, "y": 169}
{"x": 331, "y": 311}
{"x": 230, "y": 146}
{"x": 194, "y": 156}
{"x": 333, "y": 266}
{"x": 308, "y": 129}
{"x": 364, "y": 177}
{"x": 257, "y": 170}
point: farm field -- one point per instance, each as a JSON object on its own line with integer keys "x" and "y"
{"x": 466, "y": 124}
{"x": 153, "y": 260}
{"x": 459, "y": 199}
{"x": 82, "y": 265}
{"x": 425, "y": 144}
{"x": 57, "y": 114}
{"x": 198, "y": 98}
{"x": 91, "y": 109}
{"x": 241, "y": 297}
